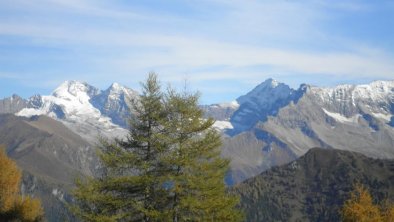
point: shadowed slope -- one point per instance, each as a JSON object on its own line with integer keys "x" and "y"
{"x": 314, "y": 187}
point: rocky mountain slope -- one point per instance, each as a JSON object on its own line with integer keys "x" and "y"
{"x": 51, "y": 157}
{"x": 115, "y": 103}
{"x": 271, "y": 125}
{"x": 314, "y": 187}
{"x": 263, "y": 101}
{"x": 275, "y": 124}
{"x": 85, "y": 109}
{"x": 12, "y": 104}
{"x": 356, "y": 118}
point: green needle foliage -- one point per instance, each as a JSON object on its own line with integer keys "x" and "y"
{"x": 168, "y": 169}
{"x": 197, "y": 187}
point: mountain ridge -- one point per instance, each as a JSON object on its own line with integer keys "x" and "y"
{"x": 272, "y": 124}
{"x": 348, "y": 117}
{"x": 82, "y": 108}
{"x": 315, "y": 186}
{"x": 51, "y": 157}
{"x": 281, "y": 125}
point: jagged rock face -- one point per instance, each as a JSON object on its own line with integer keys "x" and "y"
{"x": 85, "y": 109}
{"x": 263, "y": 101}
{"x": 314, "y": 187}
{"x": 115, "y": 102}
{"x": 355, "y": 118}
{"x": 221, "y": 111}
{"x": 285, "y": 122}
{"x": 35, "y": 102}
{"x": 348, "y": 100}
{"x": 290, "y": 122}
{"x": 12, "y": 104}
{"x": 71, "y": 89}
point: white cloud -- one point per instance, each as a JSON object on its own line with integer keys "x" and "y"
{"x": 246, "y": 41}
{"x": 186, "y": 53}
{"x": 200, "y": 53}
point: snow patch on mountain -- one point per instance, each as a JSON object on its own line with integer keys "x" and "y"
{"x": 376, "y": 99}
{"x": 231, "y": 105}
{"x": 29, "y": 112}
{"x": 115, "y": 103}
{"x": 376, "y": 90}
{"x": 222, "y": 125}
{"x": 340, "y": 118}
{"x": 385, "y": 117}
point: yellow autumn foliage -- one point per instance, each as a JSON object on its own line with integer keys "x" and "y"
{"x": 360, "y": 208}
{"x": 14, "y": 207}
{"x": 388, "y": 212}
{"x": 10, "y": 177}
{"x": 29, "y": 209}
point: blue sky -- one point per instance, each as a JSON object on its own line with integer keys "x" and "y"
{"x": 222, "y": 48}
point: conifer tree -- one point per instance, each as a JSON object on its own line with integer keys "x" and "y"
{"x": 198, "y": 192}
{"x": 131, "y": 189}
{"x": 168, "y": 169}
{"x": 14, "y": 207}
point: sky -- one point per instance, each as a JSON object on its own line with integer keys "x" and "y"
{"x": 222, "y": 48}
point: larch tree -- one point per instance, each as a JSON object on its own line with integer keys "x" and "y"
{"x": 360, "y": 208}
{"x": 168, "y": 169}
{"x": 13, "y": 206}
{"x": 198, "y": 192}
{"x": 387, "y": 211}
{"x": 132, "y": 188}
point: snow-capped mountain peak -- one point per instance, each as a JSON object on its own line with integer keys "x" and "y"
{"x": 376, "y": 89}
{"x": 73, "y": 104}
{"x": 266, "y": 93}
{"x": 114, "y": 103}
{"x": 376, "y": 97}
{"x": 270, "y": 82}
{"x": 116, "y": 86}
{"x": 116, "y": 90}
{"x": 72, "y": 89}
{"x": 263, "y": 101}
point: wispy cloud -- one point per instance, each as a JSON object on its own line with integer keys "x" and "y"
{"x": 203, "y": 40}
{"x": 191, "y": 53}
{"x": 8, "y": 75}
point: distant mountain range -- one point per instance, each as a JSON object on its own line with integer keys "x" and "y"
{"x": 86, "y": 110}
{"x": 274, "y": 124}
{"x": 54, "y": 137}
{"x": 271, "y": 125}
